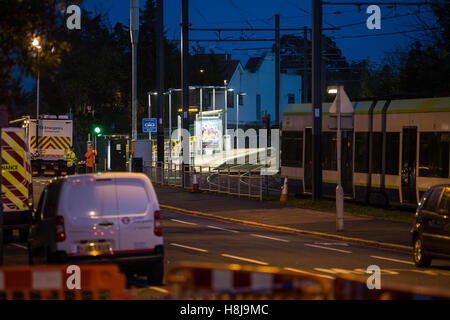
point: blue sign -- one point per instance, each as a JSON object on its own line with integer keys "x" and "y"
{"x": 149, "y": 125}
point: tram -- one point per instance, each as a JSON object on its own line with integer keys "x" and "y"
{"x": 392, "y": 150}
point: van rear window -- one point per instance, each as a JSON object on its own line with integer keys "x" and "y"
{"x": 132, "y": 196}
{"x": 92, "y": 199}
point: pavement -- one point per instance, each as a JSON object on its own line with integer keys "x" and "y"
{"x": 364, "y": 230}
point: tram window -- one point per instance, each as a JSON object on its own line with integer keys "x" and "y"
{"x": 361, "y": 152}
{"x": 377, "y": 152}
{"x": 434, "y": 154}
{"x": 292, "y": 149}
{"x": 392, "y": 152}
{"x": 329, "y": 161}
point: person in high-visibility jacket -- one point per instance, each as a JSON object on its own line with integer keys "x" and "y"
{"x": 71, "y": 160}
{"x": 90, "y": 159}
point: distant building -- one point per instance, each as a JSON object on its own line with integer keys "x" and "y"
{"x": 257, "y": 81}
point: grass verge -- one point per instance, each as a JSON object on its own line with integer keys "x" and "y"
{"x": 352, "y": 208}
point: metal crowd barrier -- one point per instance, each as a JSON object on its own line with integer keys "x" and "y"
{"x": 50, "y": 282}
{"x": 237, "y": 182}
{"x": 354, "y": 287}
{"x": 241, "y": 282}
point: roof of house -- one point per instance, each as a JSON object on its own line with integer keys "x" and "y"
{"x": 254, "y": 63}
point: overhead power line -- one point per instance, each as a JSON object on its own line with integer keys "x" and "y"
{"x": 378, "y": 3}
{"x": 384, "y": 34}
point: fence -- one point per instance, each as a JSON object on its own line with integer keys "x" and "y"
{"x": 49, "y": 282}
{"x": 238, "y": 180}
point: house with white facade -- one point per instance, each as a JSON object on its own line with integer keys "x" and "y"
{"x": 252, "y": 88}
{"x": 257, "y": 83}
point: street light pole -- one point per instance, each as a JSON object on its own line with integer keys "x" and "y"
{"x": 134, "y": 35}
{"x": 170, "y": 124}
{"x": 338, "y": 90}
{"x": 339, "y": 189}
{"x": 36, "y": 44}
{"x": 149, "y": 112}
{"x": 237, "y": 120}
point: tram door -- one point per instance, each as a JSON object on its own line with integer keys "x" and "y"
{"x": 409, "y": 157}
{"x": 347, "y": 162}
{"x": 308, "y": 160}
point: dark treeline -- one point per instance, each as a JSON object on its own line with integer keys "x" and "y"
{"x": 88, "y": 71}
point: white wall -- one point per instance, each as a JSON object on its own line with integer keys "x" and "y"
{"x": 261, "y": 82}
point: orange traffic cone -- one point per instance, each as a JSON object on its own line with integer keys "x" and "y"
{"x": 284, "y": 192}
{"x": 195, "y": 183}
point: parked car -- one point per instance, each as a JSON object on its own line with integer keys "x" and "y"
{"x": 431, "y": 230}
{"x": 100, "y": 218}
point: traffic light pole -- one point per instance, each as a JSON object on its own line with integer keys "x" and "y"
{"x": 316, "y": 98}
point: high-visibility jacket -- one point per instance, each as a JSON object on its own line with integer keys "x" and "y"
{"x": 90, "y": 157}
{"x": 71, "y": 158}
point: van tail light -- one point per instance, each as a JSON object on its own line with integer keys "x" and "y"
{"x": 157, "y": 230}
{"x": 60, "y": 229}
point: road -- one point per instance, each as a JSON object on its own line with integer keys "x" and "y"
{"x": 192, "y": 238}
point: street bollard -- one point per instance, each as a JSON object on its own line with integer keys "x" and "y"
{"x": 339, "y": 208}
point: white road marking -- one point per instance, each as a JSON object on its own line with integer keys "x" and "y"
{"x": 310, "y": 273}
{"x": 333, "y": 270}
{"x": 188, "y": 247}
{"x": 327, "y": 248}
{"x": 393, "y": 260}
{"x": 332, "y": 243}
{"x": 354, "y": 271}
{"x": 245, "y": 259}
{"x": 185, "y": 222}
{"x": 19, "y": 246}
{"x": 159, "y": 289}
{"x": 223, "y": 229}
{"x": 271, "y": 238}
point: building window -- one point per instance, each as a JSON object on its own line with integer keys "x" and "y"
{"x": 434, "y": 154}
{"x": 241, "y": 100}
{"x": 230, "y": 99}
{"x": 292, "y": 149}
{"x": 329, "y": 151}
{"x": 291, "y": 98}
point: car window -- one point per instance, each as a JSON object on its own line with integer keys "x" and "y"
{"x": 51, "y": 204}
{"x": 92, "y": 199}
{"x": 444, "y": 205}
{"x": 41, "y": 204}
{"x": 132, "y": 196}
{"x": 432, "y": 201}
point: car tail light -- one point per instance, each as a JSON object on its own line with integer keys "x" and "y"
{"x": 60, "y": 230}
{"x": 157, "y": 228}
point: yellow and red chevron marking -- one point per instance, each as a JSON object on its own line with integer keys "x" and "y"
{"x": 16, "y": 170}
{"x": 49, "y": 142}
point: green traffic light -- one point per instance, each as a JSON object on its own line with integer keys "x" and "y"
{"x": 97, "y": 130}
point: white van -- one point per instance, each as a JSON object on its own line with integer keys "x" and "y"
{"x": 93, "y": 218}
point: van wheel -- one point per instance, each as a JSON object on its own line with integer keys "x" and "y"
{"x": 156, "y": 275}
{"x": 40, "y": 256}
{"x": 7, "y": 234}
{"x": 30, "y": 255}
{"x": 23, "y": 234}
{"x": 421, "y": 260}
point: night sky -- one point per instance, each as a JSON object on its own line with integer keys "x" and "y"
{"x": 356, "y": 42}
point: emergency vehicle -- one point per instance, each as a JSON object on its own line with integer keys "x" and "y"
{"x": 55, "y": 137}
{"x": 17, "y": 191}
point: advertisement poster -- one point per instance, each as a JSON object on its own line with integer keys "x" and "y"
{"x": 210, "y": 133}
